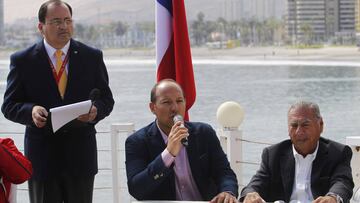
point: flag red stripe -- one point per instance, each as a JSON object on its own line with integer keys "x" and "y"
{"x": 176, "y": 62}
{"x": 183, "y": 62}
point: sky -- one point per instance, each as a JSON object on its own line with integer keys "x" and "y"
{"x": 16, "y": 9}
{"x": 124, "y": 9}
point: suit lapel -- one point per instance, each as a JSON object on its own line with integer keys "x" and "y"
{"x": 155, "y": 141}
{"x": 317, "y": 166}
{"x": 74, "y": 66}
{"x": 42, "y": 59}
{"x": 287, "y": 167}
{"x": 192, "y": 151}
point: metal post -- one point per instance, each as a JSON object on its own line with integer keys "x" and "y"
{"x": 119, "y": 133}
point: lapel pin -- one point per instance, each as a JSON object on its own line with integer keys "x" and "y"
{"x": 75, "y": 52}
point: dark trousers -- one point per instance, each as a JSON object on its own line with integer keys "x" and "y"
{"x": 64, "y": 189}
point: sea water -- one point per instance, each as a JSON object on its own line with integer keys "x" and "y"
{"x": 263, "y": 88}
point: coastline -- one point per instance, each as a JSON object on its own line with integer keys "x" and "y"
{"x": 347, "y": 54}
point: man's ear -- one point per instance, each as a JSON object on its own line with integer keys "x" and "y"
{"x": 321, "y": 125}
{"x": 152, "y": 107}
{"x": 40, "y": 28}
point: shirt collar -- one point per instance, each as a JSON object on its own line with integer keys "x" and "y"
{"x": 309, "y": 156}
{"x": 51, "y": 50}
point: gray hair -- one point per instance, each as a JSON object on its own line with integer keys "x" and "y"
{"x": 308, "y": 105}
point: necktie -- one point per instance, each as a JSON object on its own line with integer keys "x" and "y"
{"x": 63, "y": 78}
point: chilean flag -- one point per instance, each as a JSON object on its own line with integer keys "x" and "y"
{"x": 173, "y": 54}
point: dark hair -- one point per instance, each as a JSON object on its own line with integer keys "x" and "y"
{"x": 153, "y": 90}
{"x": 43, "y": 9}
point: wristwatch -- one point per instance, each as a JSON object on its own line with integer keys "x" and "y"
{"x": 336, "y": 196}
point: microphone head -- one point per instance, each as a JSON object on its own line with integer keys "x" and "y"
{"x": 177, "y": 118}
{"x": 94, "y": 94}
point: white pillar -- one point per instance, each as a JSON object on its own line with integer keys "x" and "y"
{"x": 230, "y": 140}
{"x": 230, "y": 116}
{"x": 119, "y": 133}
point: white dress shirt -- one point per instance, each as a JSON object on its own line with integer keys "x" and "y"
{"x": 302, "y": 180}
{"x": 51, "y": 53}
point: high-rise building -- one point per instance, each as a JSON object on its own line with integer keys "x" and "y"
{"x": 2, "y": 30}
{"x": 319, "y": 20}
{"x": 347, "y": 15}
{"x": 357, "y": 16}
{"x": 264, "y": 9}
{"x": 258, "y": 9}
{"x": 232, "y": 10}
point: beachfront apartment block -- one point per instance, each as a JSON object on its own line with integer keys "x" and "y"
{"x": 357, "y": 16}
{"x": 235, "y": 10}
{"x": 314, "y": 21}
{"x": 2, "y": 31}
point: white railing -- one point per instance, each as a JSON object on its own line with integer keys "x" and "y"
{"x": 119, "y": 133}
{"x": 354, "y": 143}
{"x": 231, "y": 140}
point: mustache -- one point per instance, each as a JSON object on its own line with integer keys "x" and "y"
{"x": 63, "y": 32}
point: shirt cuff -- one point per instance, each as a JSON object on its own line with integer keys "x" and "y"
{"x": 337, "y": 197}
{"x": 231, "y": 193}
{"x": 167, "y": 158}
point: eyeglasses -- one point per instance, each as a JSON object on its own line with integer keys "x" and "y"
{"x": 58, "y": 22}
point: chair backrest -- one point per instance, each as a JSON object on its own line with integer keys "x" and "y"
{"x": 12, "y": 195}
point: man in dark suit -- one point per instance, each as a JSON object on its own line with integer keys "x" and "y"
{"x": 306, "y": 168}
{"x": 65, "y": 162}
{"x": 159, "y": 167}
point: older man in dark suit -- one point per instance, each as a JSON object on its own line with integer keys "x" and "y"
{"x": 306, "y": 168}
{"x": 55, "y": 72}
{"x": 159, "y": 167}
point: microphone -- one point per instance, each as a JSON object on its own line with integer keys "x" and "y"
{"x": 177, "y": 118}
{"x": 93, "y": 96}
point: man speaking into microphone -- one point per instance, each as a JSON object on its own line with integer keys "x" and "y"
{"x": 175, "y": 160}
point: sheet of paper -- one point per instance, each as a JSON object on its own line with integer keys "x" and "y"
{"x": 63, "y": 114}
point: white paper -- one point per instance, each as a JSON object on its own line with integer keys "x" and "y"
{"x": 63, "y": 114}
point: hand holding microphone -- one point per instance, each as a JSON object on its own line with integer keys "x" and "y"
{"x": 177, "y": 118}
{"x": 177, "y": 137}
{"x": 93, "y": 96}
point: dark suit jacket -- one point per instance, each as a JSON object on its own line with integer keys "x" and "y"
{"x": 331, "y": 172}
{"x": 149, "y": 179}
{"x": 72, "y": 149}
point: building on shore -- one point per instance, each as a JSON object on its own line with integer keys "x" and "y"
{"x": 357, "y": 16}
{"x": 316, "y": 21}
{"x": 261, "y": 10}
{"x": 2, "y": 29}
{"x": 232, "y": 9}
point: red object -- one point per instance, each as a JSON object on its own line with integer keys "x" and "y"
{"x": 14, "y": 167}
{"x": 176, "y": 62}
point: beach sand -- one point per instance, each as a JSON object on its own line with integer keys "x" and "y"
{"x": 350, "y": 54}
